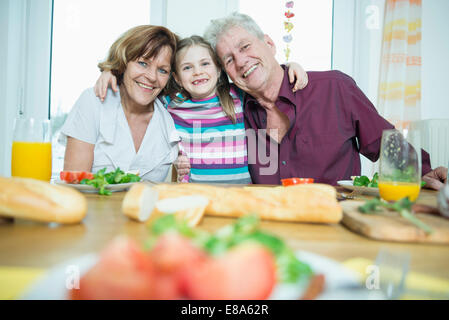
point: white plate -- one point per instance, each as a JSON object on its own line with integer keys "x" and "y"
{"x": 90, "y": 189}
{"x": 348, "y": 184}
{"x": 53, "y": 285}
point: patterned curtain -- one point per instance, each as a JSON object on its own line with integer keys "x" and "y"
{"x": 400, "y": 72}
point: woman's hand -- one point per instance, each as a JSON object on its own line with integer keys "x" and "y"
{"x": 182, "y": 166}
{"x": 296, "y": 71}
{"x": 101, "y": 86}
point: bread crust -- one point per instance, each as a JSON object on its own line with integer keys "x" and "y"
{"x": 41, "y": 201}
{"x": 314, "y": 203}
{"x": 141, "y": 203}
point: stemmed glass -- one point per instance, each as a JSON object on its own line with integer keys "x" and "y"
{"x": 400, "y": 165}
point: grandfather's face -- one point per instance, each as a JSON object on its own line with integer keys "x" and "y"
{"x": 249, "y": 61}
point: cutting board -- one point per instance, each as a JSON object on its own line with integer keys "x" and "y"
{"x": 390, "y": 226}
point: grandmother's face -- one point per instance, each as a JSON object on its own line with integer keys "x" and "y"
{"x": 144, "y": 79}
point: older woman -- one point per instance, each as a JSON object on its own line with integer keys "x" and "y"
{"x": 131, "y": 129}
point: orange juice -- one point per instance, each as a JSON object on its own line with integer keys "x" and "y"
{"x": 31, "y": 160}
{"x": 392, "y": 191}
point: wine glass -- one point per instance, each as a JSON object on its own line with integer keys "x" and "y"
{"x": 31, "y": 149}
{"x": 400, "y": 165}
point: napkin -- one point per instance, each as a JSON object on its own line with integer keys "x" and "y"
{"x": 15, "y": 280}
{"x": 418, "y": 286}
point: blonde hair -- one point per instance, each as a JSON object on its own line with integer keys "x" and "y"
{"x": 223, "y": 87}
{"x": 142, "y": 41}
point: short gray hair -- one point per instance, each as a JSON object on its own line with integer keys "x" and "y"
{"x": 219, "y": 26}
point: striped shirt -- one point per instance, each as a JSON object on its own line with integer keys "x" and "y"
{"x": 215, "y": 146}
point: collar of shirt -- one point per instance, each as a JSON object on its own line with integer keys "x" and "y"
{"x": 109, "y": 119}
{"x": 151, "y": 153}
{"x": 286, "y": 103}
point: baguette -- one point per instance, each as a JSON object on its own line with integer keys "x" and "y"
{"x": 314, "y": 203}
{"x": 40, "y": 201}
{"x": 141, "y": 204}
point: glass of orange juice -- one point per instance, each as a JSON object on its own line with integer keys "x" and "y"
{"x": 400, "y": 165}
{"x": 31, "y": 149}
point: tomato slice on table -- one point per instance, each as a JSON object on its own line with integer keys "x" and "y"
{"x": 86, "y": 175}
{"x": 75, "y": 177}
{"x": 293, "y": 181}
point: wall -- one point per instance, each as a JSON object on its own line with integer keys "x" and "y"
{"x": 4, "y": 129}
{"x": 357, "y": 50}
{"x": 435, "y": 57}
{"x": 11, "y": 90}
{"x": 25, "y": 59}
{"x": 190, "y": 17}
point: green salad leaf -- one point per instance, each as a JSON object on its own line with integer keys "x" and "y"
{"x": 364, "y": 181}
{"x": 361, "y": 181}
{"x": 373, "y": 183}
{"x": 403, "y": 206}
{"x": 102, "y": 179}
{"x": 247, "y": 228}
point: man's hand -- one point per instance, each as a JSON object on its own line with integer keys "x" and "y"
{"x": 435, "y": 179}
{"x": 101, "y": 86}
{"x": 182, "y": 166}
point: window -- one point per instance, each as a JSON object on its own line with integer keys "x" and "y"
{"x": 83, "y": 31}
{"x": 312, "y": 29}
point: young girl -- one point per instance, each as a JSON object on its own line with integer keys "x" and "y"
{"x": 208, "y": 115}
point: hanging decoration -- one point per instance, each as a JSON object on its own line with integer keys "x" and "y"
{"x": 288, "y": 26}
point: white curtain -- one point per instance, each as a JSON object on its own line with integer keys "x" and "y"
{"x": 400, "y": 72}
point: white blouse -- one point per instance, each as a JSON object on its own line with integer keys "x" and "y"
{"x": 104, "y": 124}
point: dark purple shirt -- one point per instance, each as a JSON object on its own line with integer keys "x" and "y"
{"x": 331, "y": 122}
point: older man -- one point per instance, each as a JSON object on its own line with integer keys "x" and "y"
{"x": 317, "y": 132}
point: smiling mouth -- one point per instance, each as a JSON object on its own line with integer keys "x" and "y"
{"x": 198, "y": 82}
{"x": 250, "y": 70}
{"x": 144, "y": 86}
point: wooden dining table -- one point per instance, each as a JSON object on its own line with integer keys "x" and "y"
{"x": 41, "y": 245}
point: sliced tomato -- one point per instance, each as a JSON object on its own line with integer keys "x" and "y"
{"x": 124, "y": 271}
{"x": 293, "y": 181}
{"x": 173, "y": 251}
{"x": 247, "y": 272}
{"x": 86, "y": 175}
{"x": 172, "y": 256}
{"x": 75, "y": 176}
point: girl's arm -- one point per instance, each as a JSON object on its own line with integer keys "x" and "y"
{"x": 79, "y": 155}
{"x": 296, "y": 71}
{"x": 101, "y": 86}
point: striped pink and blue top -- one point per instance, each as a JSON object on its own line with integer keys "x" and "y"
{"x": 215, "y": 146}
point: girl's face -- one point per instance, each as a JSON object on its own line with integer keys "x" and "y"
{"x": 196, "y": 72}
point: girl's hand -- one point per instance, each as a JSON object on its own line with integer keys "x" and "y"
{"x": 296, "y": 71}
{"x": 101, "y": 86}
{"x": 182, "y": 166}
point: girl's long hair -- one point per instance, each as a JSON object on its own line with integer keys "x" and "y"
{"x": 223, "y": 87}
